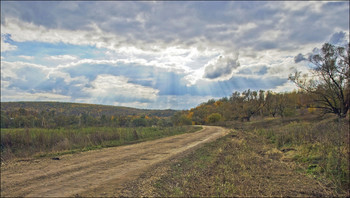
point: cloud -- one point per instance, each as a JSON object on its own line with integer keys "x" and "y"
{"x": 108, "y": 89}
{"x": 23, "y": 71}
{"x": 221, "y": 67}
{"x": 232, "y": 25}
{"x": 178, "y": 102}
{"x": 236, "y": 83}
{"x": 298, "y": 58}
{"x": 339, "y": 38}
{"x": 12, "y": 95}
{"x": 266, "y": 25}
{"x": 5, "y": 46}
{"x": 259, "y": 70}
{"x": 26, "y": 57}
{"x": 62, "y": 58}
{"x": 172, "y": 50}
{"x": 134, "y": 104}
{"x": 167, "y": 81}
{"x": 32, "y": 78}
{"x": 22, "y": 32}
{"x": 288, "y": 86}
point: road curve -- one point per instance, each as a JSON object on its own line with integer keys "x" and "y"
{"x": 88, "y": 172}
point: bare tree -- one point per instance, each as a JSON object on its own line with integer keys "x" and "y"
{"x": 330, "y": 80}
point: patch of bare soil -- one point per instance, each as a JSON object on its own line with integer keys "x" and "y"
{"x": 97, "y": 173}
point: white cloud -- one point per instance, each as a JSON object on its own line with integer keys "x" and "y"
{"x": 135, "y": 104}
{"x": 309, "y": 5}
{"x": 179, "y": 102}
{"x": 17, "y": 95}
{"x": 176, "y": 58}
{"x": 286, "y": 87}
{"x": 62, "y": 57}
{"x": 284, "y": 67}
{"x": 16, "y": 70}
{"x": 22, "y": 31}
{"x": 6, "y": 46}
{"x": 26, "y": 57}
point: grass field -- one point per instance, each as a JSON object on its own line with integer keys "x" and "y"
{"x": 269, "y": 157}
{"x": 320, "y": 147}
{"x": 21, "y": 143}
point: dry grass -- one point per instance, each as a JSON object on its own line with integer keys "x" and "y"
{"x": 320, "y": 147}
{"x": 240, "y": 164}
{"x": 22, "y": 143}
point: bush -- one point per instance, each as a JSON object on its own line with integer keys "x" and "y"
{"x": 214, "y": 117}
{"x": 139, "y": 122}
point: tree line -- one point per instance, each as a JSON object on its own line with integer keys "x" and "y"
{"x": 239, "y": 106}
{"x": 22, "y": 118}
{"x": 243, "y": 106}
{"x": 327, "y": 90}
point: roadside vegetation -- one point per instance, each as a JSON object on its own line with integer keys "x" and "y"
{"x": 21, "y": 143}
{"x": 265, "y": 157}
{"x": 32, "y": 129}
{"x": 318, "y": 145}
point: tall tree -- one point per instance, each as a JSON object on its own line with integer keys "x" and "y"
{"x": 330, "y": 82}
{"x": 252, "y": 103}
{"x": 271, "y": 103}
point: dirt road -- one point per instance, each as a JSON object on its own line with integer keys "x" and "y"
{"x": 96, "y": 173}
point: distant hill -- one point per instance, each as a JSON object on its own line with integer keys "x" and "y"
{"x": 94, "y": 110}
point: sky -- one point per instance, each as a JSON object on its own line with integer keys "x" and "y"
{"x": 159, "y": 54}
